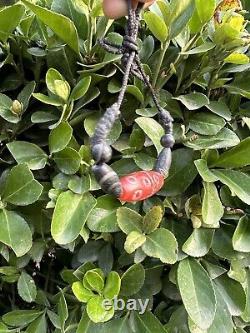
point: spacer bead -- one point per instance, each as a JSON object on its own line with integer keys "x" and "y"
{"x": 101, "y": 152}
{"x": 167, "y": 141}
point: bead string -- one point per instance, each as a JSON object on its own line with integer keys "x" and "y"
{"x": 101, "y": 151}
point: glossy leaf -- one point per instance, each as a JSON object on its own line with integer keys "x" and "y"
{"x": 6, "y": 25}
{"x": 236, "y": 157}
{"x": 157, "y": 26}
{"x": 71, "y": 212}
{"x": 193, "y": 101}
{"x": 62, "y": 26}
{"x": 197, "y": 292}
{"x": 155, "y": 246}
{"x": 26, "y": 152}
{"x": 132, "y": 280}
{"x": 241, "y": 237}
{"x": 129, "y": 220}
{"x": 20, "y": 187}
{"x": 238, "y": 182}
{"x": 27, "y": 288}
{"x": 15, "y": 232}
{"x": 60, "y": 137}
{"x": 212, "y": 209}
{"x": 199, "y": 242}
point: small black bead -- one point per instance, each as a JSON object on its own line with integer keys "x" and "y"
{"x": 167, "y": 141}
{"x": 102, "y": 152}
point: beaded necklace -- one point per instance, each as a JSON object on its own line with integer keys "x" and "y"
{"x": 139, "y": 185}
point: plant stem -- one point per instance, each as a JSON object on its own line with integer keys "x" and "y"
{"x": 179, "y": 58}
{"x": 164, "y": 48}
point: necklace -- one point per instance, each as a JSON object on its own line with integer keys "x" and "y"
{"x": 139, "y": 185}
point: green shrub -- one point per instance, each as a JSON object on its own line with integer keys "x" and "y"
{"x": 65, "y": 245}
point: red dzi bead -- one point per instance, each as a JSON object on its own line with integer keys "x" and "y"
{"x": 140, "y": 185}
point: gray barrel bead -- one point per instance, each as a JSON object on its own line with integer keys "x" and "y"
{"x": 107, "y": 178}
{"x": 163, "y": 162}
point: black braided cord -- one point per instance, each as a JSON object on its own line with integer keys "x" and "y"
{"x": 101, "y": 151}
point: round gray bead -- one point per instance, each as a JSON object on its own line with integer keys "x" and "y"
{"x": 102, "y": 152}
{"x": 167, "y": 141}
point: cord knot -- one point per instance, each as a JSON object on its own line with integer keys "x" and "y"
{"x": 129, "y": 44}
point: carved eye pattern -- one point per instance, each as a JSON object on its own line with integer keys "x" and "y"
{"x": 137, "y": 195}
{"x": 146, "y": 181}
{"x": 140, "y": 185}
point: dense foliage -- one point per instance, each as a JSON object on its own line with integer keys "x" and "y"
{"x": 65, "y": 245}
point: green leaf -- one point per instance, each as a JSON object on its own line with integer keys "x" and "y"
{"x": 120, "y": 325}
{"x": 68, "y": 160}
{"x": 224, "y": 139}
{"x": 103, "y": 217}
{"x": 51, "y": 77}
{"x": 206, "y": 123}
{"x": 133, "y": 241}
{"x": 152, "y": 219}
{"x": 201, "y": 49}
{"x": 180, "y": 14}
{"x": 19, "y": 318}
{"x": 220, "y": 108}
{"x": 205, "y": 12}
{"x": 238, "y": 182}
{"x": 59, "y": 137}
{"x": 94, "y": 280}
{"x": 147, "y": 323}
{"x": 26, "y": 152}
{"x": 181, "y": 174}
{"x": 27, "y": 288}
{"x": 50, "y": 100}
{"x": 112, "y": 285}
{"x": 62, "y": 26}
{"x": 246, "y": 314}
{"x": 135, "y": 91}
{"x": 212, "y": 209}
{"x": 97, "y": 312}
{"x": 156, "y": 25}
{"x": 5, "y": 109}
{"x": 152, "y": 129}
{"x": 197, "y": 292}
{"x": 193, "y": 101}
{"x": 81, "y": 88}
{"x": 232, "y": 293}
{"x": 237, "y": 58}
{"x": 199, "y": 242}
{"x": 6, "y": 25}
{"x": 25, "y": 95}
{"x": 62, "y": 89}
{"x": 222, "y": 243}
{"x": 241, "y": 237}
{"x": 132, "y": 280}
{"x": 15, "y": 232}
{"x": 20, "y": 187}
{"x": 236, "y": 157}
{"x": 70, "y": 214}
{"x": 129, "y": 220}
{"x": 38, "y": 326}
{"x": 63, "y": 313}
{"x": 155, "y": 246}
{"x": 223, "y": 322}
{"x": 81, "y": 293}
{"x": 204, "y": 171}
{"x": 80, "y": 185}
